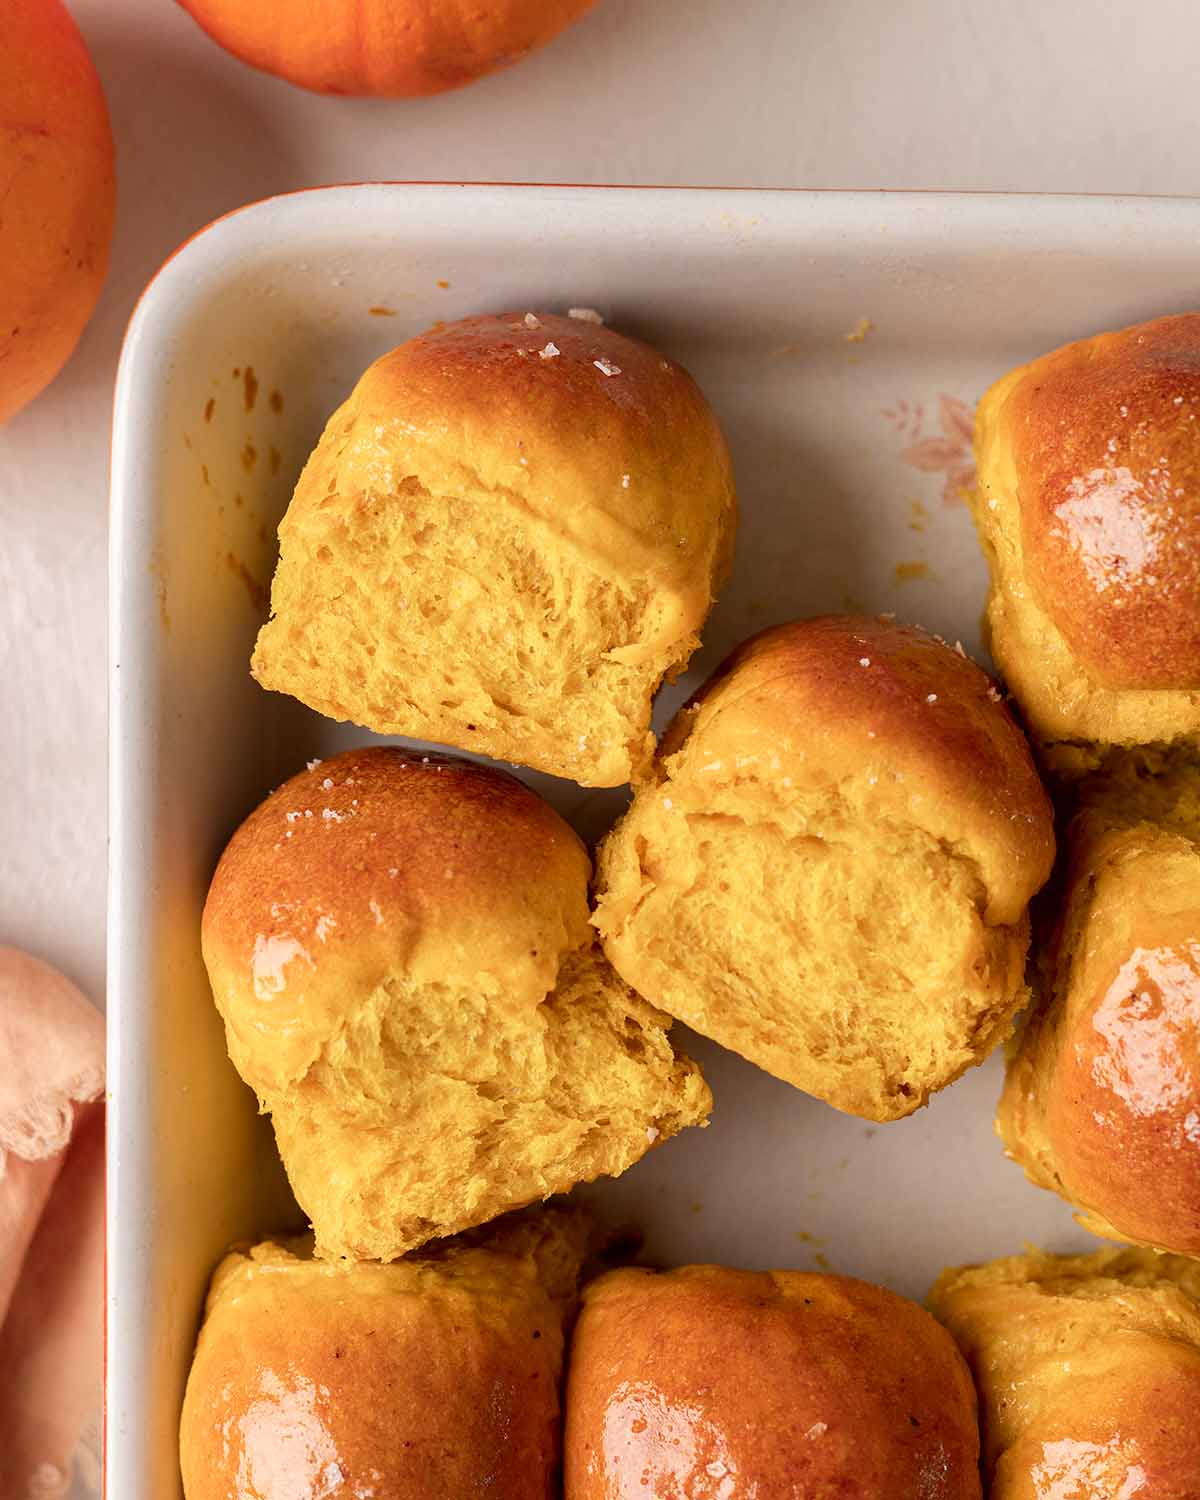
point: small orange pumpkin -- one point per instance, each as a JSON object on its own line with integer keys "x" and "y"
{"x": 58, "y": 195}
{"x": 396, "y": 47}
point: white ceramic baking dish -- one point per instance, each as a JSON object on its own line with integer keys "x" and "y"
{"x": 842, "y": 339}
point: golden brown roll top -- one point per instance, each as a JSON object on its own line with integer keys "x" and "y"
{"x": 830, "y": 871}
{"x": 379, "y": 858}
{"x": 462, "y": 404}
{"x": 400, "y": 948}
{"x": 1089, "y": 509}
{"x": 1102, "y": 1098}
{"x": 1107, "y": 457}
{"x": 510, "y": 532}
{"x": 436, "y": 1378}
{"x": 1088, "y": 1372}
{"x": 917, "y": 729}
{"x": 710, "y": 1382}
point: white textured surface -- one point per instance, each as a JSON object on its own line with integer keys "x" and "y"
{"x": 1074, "y": 96}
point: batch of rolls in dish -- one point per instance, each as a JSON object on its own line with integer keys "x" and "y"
{"x": 508, "y": 537}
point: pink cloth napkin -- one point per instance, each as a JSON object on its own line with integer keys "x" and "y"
{"x": 51, "y": 1226}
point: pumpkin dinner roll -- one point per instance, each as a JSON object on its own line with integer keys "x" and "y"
{"x": 1088, "y": 1372}
{"x": 1088, "y": 508}
{"x": 830, "y": 870}
{"x": 401, "y": 953}
{"x": 706, "y": 1382}
{"x": 507, "y": 537}
{"x": 436, "y": 1378}
{"x": 1102, "y": 1098}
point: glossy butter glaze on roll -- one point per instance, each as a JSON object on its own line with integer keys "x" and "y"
{"x": 1088, "y": 1371}
{"x": 708, "y": 1383}
{"x": 508, "y": 535}
{"x": 436, "y": 1378}
{"x": 1088, "y": 508}
{"x": 1102, "y": 1097}
{"x": 400, "y": 950}
{"x": 830, "y": 869}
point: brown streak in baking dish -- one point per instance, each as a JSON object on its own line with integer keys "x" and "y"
{"x": 257, "y": 592}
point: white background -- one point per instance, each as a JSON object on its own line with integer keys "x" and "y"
{"x": 1076, "y": 95}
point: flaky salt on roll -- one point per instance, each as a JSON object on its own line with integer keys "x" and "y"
{"x": 401, "y": 953}
{"x": 507, "y": 537}
{"x": 1102, "y": 1098}
{"x": 1088, "y": 1372}
{"x": 1088, "y": 508}
{"x": 830, "y": 870}
{"x": 436, "y": 1378}
{"x": 710, "y": 1382}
